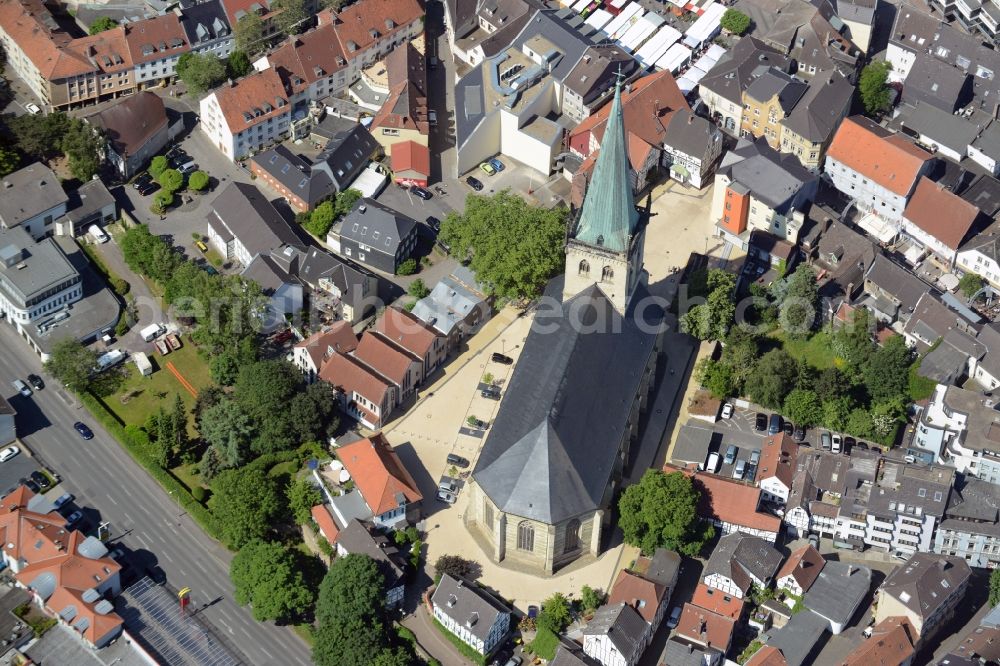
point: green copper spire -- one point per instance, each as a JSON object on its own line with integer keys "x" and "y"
{"x": 608, "y": 217}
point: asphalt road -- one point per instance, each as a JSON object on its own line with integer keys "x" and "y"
{"x": 112, "y": 487}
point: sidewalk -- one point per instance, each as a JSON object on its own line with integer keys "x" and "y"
{"x": 421, "y": 624}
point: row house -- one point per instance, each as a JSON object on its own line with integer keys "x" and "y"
{"x": 939, "y": 221}
{"x": 877, "y": 169}
{"x": 776, "y": 468}
{"x": 800, "y": 570}
{"x": 403, "y": 119}
{"x": 734, "y": 507}
{"x": 386, "y": 487}
{"x": 242, "y": 117}
{"x": 617, "y": 635}
{"x": 970, "y": 528}
{"x": 960, "y": 428}
{"x": 207, "y": 27}
{"x": 155, "y": 46}
{"x": 471, "y": 614}
{"x": 926, "y": 590}
{"x": 740, "y": 562}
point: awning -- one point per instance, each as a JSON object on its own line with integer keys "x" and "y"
{"x": 680, "y": 170}
{"x": 883, "y": 230}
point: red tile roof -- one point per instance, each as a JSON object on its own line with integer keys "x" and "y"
{"x": 406, "y": 106}
{"x": 643, "y": 595}
{"x": 252, "y": 95}
{"x": 340, "y": 337}
{"x": 156, "y": 38}
{"x": 324, "y": 520}
{"x": 235, "y": 9}
{"x": 351, "y": 376}
{"x": 886, "y": 158}
{"x": 304, "y": 59}
{"x": 767, "y": 656}
{"x": 706, "y": 627}
{"x": 356, "y": 23}
{"x": 732, "y": 502}
{"x": 891, "y": 644}
{"x": 411, "y": 156}
{"x": 777, "y": 458}
{"x": 407, "y": 331}
{"x": 378, "y": 473}
{"x": 717, "y": 601}
{"x": 940, "y": 213}
{"x": 804, "y": 566}
{"x": 383, "y": 356}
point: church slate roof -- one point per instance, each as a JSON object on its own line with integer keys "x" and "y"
{"x": 608, "y": 217}
{"x": 552, "y": 448}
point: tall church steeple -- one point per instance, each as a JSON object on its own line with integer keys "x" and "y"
{"x": 605, "y": 243}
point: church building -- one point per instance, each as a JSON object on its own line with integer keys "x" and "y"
{"x": 553, "y": 460}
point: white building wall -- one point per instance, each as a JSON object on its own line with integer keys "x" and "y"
{"x": 774, "y": 489}
{"x": 214, "y": 124}
{"x": 974, "y": 261}
{"x": 602, "y": 649}
{"x": 928, "y": 241}
{"x": 984, "y": 160}
{"x": 725, "y": 584}
{"x": 901, "y": 60}
{"x": 867, "y": 194}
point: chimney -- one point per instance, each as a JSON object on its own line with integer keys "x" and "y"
{"x": 690, "y": 119}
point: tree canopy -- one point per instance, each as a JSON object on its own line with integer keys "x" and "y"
{"x": 555, "y": 613}
{"x": 994, "y": 587}
{"x": 9, "y": 160}
{"x": 266, "y": 576}
{"x": 229, "y": 430}
{"x": 293, "y": 17}
{"x": 773, "y": 378}
{"x": 661, "y": 511}
{"x": 803, "y": 407}
{"x": 250, "y": 34}
{"x": 970, "y": 284}
{"x": 350, "y": 610}
{"x": 245, "y": 502}
{"x": 171, "y": 180}
{"x": 238, "y": 64}
{"x": 198, "y": 181}
{"x": 735, "y": 21}
{"x": 515, "y": 248}
{"x": 711, "y": 320}
{"x": 101, "y": 24}
{"x": 873, "y": 88}
{"x": 302, "y": 497}
{"x": 72, "y": 364}
{"x": 800, "y": 302}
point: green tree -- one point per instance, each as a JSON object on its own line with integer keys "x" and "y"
{"x": 800, "y": 304}
{"x": 292, "y": 18}
{"x": 321, "y": 220}
{"x": 773, "y": 378}
{"x": 101, "y": 24}
{"x": 994, "y": 587}
{"x": 970, "y": 284}
{"x": 158, "y": 166}
{"x": 226, "y": 428}
{"x": 265, "y": 390}
{"x": 238, "y": 64}
{"x": 456, "y": 566}
{"x": 590, "y": 599}
{"x": 245, "y": 502}
{"x": 886, "y": 417}
{"x": 661, "y": 511}
{"x": 397, "y": 656}
{"x": 853, "y": 343}
{"x": 171, "y": 180}
{"x": 348, "y": 641}
{"x": 716, "y": 377}
{"x": 859, "y": 423}
{"x": 735, "y": 22}
{"x": 741, "y": 353}
{"x": 515, "y": 247}
{"x": 312, "y": 415}
{"x": 265, "y": 575}
{"x": 9, "y": 160}
{"x": 873, "y": 87}
{"x": 803, "y": 407}
{"x": 832, "y": 383}
{"x": 345, "y": 201}
{"x": 302, "y": 497}
{"x": 72, "y": 364}
{"x": 887, "y": 374}
{"x": 836, "y": 412}
{"x": 353, "y": 588}
{"x": 555, "y": 614}
{"x": 407, "y": 267}
{"x": 250, "y": 34}
{"x": 418, "y": 289}
{"x": 198, "y": 181}
{"x": 83, "y": 145}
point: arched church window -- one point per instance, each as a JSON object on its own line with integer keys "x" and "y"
{"x": 607, "y": 274}
{"x": 572, "y": 536}
{"x": 584, "y": 268}
{"x": 600, "y": 239}
{"x": 525, "y": 536}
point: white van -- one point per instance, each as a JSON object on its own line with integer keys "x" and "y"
{"x": 151, "y": 332}
{"x": 97, "y": 234}
{"x": 713, "y": 463}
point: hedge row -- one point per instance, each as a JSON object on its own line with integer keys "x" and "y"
{"x": 136, "y": 442}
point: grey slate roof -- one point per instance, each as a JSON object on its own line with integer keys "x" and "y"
{"x": 447, "y": 305}
{"x": 932, "y": 319}
{"x": 693, "y": 444}
{"x": 317, "y": 264}
{"x": 681, "y": 652}
{"x": 205, "y": 21}
{"x": 773, "y": 178}
{"x": 989, "y": 142}
{"x": 378, "y": 226}
{"x": 662, "y": 567}
{"x": 926, "y": 581}
{"x": 737, "y": 554}
{"x": 243, "y": 211}
{"x": 44, "y": 264}
{"x": 820, "y": 110}
{"x": 689, "y": 134}
{"x": 974, "y": 507}
{"x": 838, "y": 591}
{"x": 947, "y": 129}
{"x": 27, "y": 192}
{"x": 356, "y": 538}
{"x": 463, "y": 602}
{"x": 857, "y": 11}
{"x": 905, "y": 287}
{"x": 935, "y": 83}
{"x": 771, "y": 81}
{"x": 800, "y": 639}
{"x": 296, "y": 174}
{"x": 622, "y": 624}
{"x": 734, "y": 71}
{"x": 88, "y": 199}
{"x": 347, "y": 151}
{"x": 553, "y": 445}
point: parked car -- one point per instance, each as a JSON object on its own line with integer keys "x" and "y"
{"x": 146, "y": 190}
{"x": 799, "y": 435}
{"x": 775, "y": 424}
{"x": 446, "y": 497}
{"x": 814, "y": 541}
{"x": 727, "y": 411}
{"x": 142, "y": 180}
{"x": 74, "y": 518}
{"x": 487, "y": 168}
{"x": 179, "y": 158}
{"x": 188, "y": 167}
{"x": 32, "y": 108}
{"x": 862, "y": 445}
{"x": 36, "y": 382}
{"x": 474, "y": 183}
{"x": 740, "y": 469}
{"x": 497, "y": 165}
{"x": 457, "y": 461}
{"x": 837, "y": 444}
{"x": 42, "y": 480}
{"x": 789, "y": 428}
{"x": 30, "y": 485}
{"x": 201, "y": 246}
{"x": 731, "y": 454}
{"x": 824, "y": 439}
{"x": 751, "y": 473}
{"x": 21, "y": 388}
{"x": 849, "y": 444}
{"x": 434, "y": 223}
{"x": 712, "y": 465}
{"x": 761, "y": 422}
{"x": 8, "y": 453}
{"x": 421, "y": 192}
{"x": 755, "y": 456}
{"x": 675, "y": 617}
{"x": 478, "y": 424}
{"x": 62, "y": 501}
{"x": 501, "y": 358}
{"x": 84, "y": 431}
{"x": 493, "y": 393}
{"x": 513, "y": 661}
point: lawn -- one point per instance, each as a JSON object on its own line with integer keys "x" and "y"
{"x": 817, "y": 351}
{"x": 158, "y": 389}
{"x": 186, "y": 475}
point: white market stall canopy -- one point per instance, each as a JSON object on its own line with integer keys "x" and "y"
{"x": 623, "y": 21}
{"x": 599, "y": 19}
{"x": 675, "y": 58}
{"x": 657, "y": 45}
{"x": 706, "y": 27}
{"x": 640, "y": 32}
